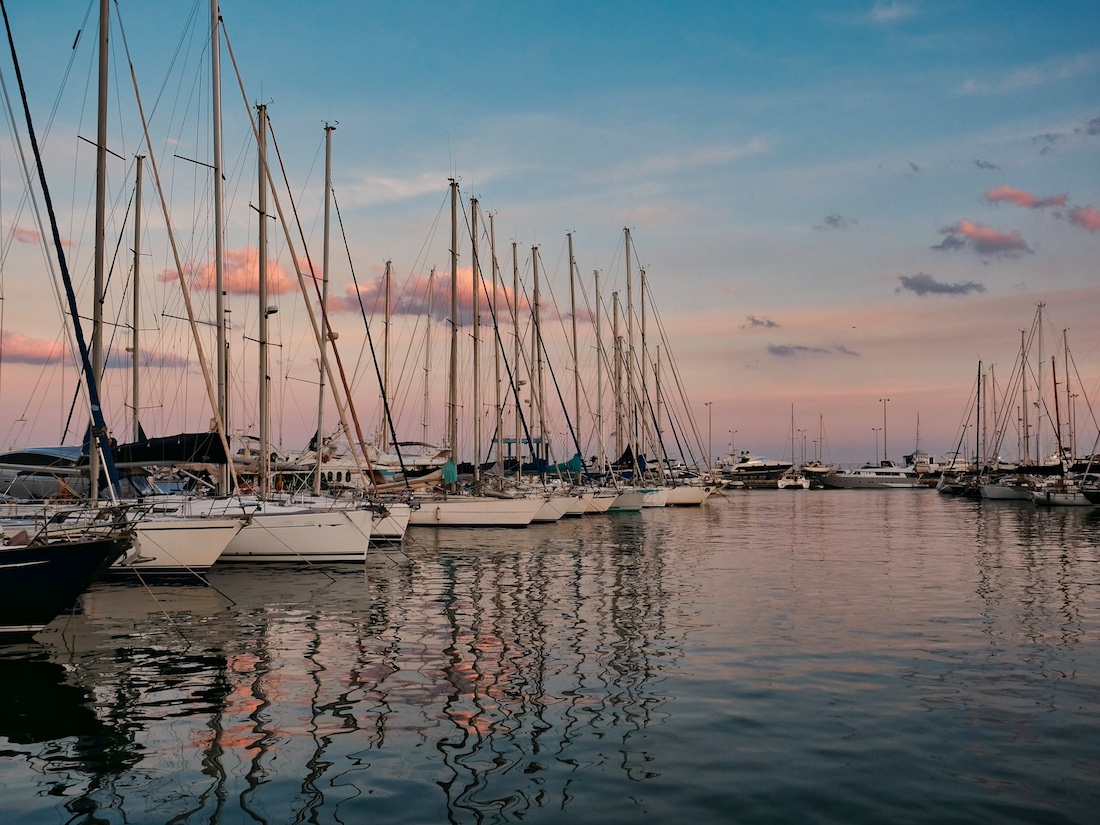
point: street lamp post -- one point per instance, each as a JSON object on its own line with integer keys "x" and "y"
{"x": 885, "y": 454}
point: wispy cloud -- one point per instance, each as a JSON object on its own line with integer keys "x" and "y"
{"x": 1032, "y": 76}
{"x": 923, "y": 284}
{"x": 985, "y": 240}
{"x": 1025, "y": 199}
{"x": 753, "y": 322}
{"x": 836, "y": 222}
{"x": 985, "y": 164}
{"x": 701, "y": 157}
{"x": 793, "y": 350}
{"x": 379, "y": 190}
{"x": 884, "y": 13}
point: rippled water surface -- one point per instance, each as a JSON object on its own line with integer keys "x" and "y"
{"x": 809, "y": 656}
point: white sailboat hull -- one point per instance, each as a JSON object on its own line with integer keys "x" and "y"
{"x": 688, "y": 495}
{"x": 281, "y": 533}
{"x": 389, "y": 527}
{"x": 628, "y": 501}
{"x": 475, "y": 511}
{"x": 177, "y": 545}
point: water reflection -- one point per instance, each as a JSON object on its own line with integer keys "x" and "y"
{"x": 675, "y": 659}
{"x": 282, "y": 694}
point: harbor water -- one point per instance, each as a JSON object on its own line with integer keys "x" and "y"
{"x": 774, "y": 656}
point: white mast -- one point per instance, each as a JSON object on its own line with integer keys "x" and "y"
{"x": 643, "y": 401}
{"x": 221, "y": 319}
{"x": 618, "y": 380}
{"x": 599, "y": 375}
{"x": 475, "y": 309}
{"x": 324, "y": 314}
{"x": 452, "y": 386}
{"x": 496, "y": 347}
{"x": 387, "y": 280}
{"x": 576, "y": 353}
{"x": 135, "y": 339}
{"x": 544, "y": 452}
{"x": 631, "y": 412}
{"x": 516, "y": 354}
{"x": 427, "y": 359}
{"x": 264, "y": 468}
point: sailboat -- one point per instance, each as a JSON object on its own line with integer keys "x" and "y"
{"x": 792, "y": 479}
{"x": 452, "y": 507}
{"x": 283, "y": 530}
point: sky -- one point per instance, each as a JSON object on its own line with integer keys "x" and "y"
{"x": 841, "y": 209}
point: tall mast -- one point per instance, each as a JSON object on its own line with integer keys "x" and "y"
{"x": 219, "y": 226}
{"x": 135, "y": 339}
{"x": 387, "y": 281}
{"x": 1057, "y": 413}
{"x": 617, "y": 342}
{"x": 599, "y": 373}
{"x": 537, "y": 347}
{"x": 576, "y": 352}
{"x": 261, "y": 208}
{"x": 452, "y": 379}
{"x": 496, "y": 349}
{"x": 475, "y": 309}
{"x": 1026, "y": 450}
{"x": 100, "y": 234}
{"x": 324, "y": 314}
{"x": 631, "y": 435}
{"x": 516, "y": 352}
{"x": 642, "y": 370}
{"x": 1040, "y": 458}
{"x": 427, "y": 359}
{"x": 1070, "y": 446}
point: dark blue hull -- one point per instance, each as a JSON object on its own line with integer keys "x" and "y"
{"x": 39, "y": 582}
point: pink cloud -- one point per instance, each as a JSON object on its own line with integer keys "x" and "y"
{"x": 1025, "y": 199}
{"x": 242, "y": 274}
{"x": 985, "y": 240}
{"x": 1087, "y": 217}
{"x": 412, "y": 299}
{"x": 22, "y": 235}
{"x": 20, "y": 349}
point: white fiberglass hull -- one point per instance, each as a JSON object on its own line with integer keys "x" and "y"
{"x": 628, "y": 501}
{"x": 1060, "y": 498}
{"x": 175, "y": 545}
{"x": 554, "y": 508}
{"x": 286, "y": 533}
{"x": 597, "y": 501}
{"x": 654, "y": 496}
{"x": 475, "y": 511}
{"x": 688, "y": 495}
{"x": 389, "y": 527}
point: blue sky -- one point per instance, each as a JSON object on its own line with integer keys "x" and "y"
{"x": 835, "y": 203}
